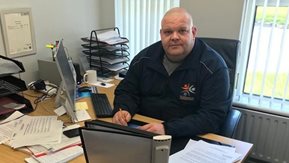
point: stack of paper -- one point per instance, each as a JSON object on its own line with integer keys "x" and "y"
{"x": 57, "y": 157}
{"x": 41, "y": 150}
{"x": 111, "y": 37}
{"x": 200, "y": 151}
{"x": 40, "y": 136}
{"x": 65, "y": 143}
{"x": 35, "y": 130}
{"x": 7, "y": 127}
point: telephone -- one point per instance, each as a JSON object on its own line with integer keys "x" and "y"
{"x": 43, "y": 86}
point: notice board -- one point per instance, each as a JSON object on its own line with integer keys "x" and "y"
{"x": 18, "y": 32}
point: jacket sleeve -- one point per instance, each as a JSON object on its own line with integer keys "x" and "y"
{"x": 215, "y": 100}
{"x": 127, "y": 92}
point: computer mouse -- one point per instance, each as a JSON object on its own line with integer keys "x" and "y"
{"x": 103, "y": 84}
{"x": 84, "y": 89}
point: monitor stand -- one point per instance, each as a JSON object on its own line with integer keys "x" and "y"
{"x": 58, "y": 95}
{"x": 61, "y": 100}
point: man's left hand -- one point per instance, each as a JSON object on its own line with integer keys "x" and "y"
{"x": 157, "y": 128}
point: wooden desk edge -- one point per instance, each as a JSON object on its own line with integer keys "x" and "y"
{"x": 243, "y": 148}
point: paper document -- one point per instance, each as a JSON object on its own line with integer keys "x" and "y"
{"x": 37, "y": 150}
{"x": 81, "y": 106}
{"x": 110, "y": 59}
{"x": 200, "y": 152}
{"x": 107, "y": 85}
{"x": 41, "y": 150}
{"x": 6, "y": 132}
{"x": 12, "y": 117}
{"x": 37, "y": 130}
{"x": 58, "y": 157}
{"x": 65, "y": 143}
{"x": 111, "y": 37}
{"x": 7, "y": 129}
{"x": 60, "y": 111}
{"x": 82, "y": 115}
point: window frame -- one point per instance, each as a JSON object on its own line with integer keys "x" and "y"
{"x": 246, "y": 34}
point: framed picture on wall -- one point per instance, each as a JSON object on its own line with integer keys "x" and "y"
{"x": 18, "y": 32}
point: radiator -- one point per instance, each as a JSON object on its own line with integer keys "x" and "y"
{"x": 269, "y": 134}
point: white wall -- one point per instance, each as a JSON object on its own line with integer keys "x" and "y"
{"x": 53, "y": 20}
{"x": 107, "y": 13}
{"x": 221, "y": 18}
{"x": 73, "y": 19}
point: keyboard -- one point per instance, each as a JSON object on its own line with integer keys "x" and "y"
{"x": 101, "y": 105}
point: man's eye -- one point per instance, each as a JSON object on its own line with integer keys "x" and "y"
{"x": 183, "y": 31}
{"x": 168, "y": 32}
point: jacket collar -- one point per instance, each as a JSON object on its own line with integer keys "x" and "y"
{"x": 156, "y": 54}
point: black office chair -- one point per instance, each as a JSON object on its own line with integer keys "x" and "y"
{"x": 228, "y": 49}
{"x": 230, "y": 125}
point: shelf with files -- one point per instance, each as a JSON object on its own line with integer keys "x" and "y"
{"x": 106, "y": 51}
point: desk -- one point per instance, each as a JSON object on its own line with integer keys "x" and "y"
{"x": 46, "y": 108}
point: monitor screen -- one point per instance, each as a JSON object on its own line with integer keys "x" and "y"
{"x": 108, "y": 142}
{"x": 68, "y": 77}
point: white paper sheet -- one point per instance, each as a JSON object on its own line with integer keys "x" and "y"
{"x": 37, "y": 130}
{"x": 200, "y": 151}
{"x": 12, "y": 117}
{"x": 7, "y": 129}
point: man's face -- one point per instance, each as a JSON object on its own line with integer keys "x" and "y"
{"x": 177, "y": 36}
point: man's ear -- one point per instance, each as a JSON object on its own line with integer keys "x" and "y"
{"x": 194, "y": 31}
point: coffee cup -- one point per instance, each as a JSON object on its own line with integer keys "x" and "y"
{"x": 90, "y": 77}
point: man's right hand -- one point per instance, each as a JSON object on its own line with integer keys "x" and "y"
{"x": 122, "y": 117}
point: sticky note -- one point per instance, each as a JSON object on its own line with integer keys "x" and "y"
{"x": 81, "y": 106}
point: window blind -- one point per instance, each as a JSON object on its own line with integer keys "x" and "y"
{"x": 266, "y": 75}
{"x": 140, "y": 20}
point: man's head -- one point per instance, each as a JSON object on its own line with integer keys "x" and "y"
{"x": 177, "y": 34}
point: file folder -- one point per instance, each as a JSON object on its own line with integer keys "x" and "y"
{"x": 111, "y": 143}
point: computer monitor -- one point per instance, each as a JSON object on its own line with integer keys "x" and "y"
{"x": 108, "y": 142}
{"x": 68, "y": 84}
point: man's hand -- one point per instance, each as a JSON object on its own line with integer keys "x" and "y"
{"x": 157, "y": 128}
{"x": 121, "y": 117}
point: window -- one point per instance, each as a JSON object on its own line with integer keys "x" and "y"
{"x": 263, "y": 70}
{"x": 139, "y": 21}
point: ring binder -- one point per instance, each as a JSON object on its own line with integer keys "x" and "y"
{"x": 102, "y": 140}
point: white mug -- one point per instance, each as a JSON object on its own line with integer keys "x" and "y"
{"x": 90, "y": 77}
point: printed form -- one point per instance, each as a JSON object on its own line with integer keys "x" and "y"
{"x": 37, "y": 130}
{"x": 200, "y": 152}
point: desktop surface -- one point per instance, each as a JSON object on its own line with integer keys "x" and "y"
{"x": 47, "y": 108}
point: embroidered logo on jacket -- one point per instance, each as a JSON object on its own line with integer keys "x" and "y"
{"x": 187, "y": 91}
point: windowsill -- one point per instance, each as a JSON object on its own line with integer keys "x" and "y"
{"x": 263, "y": 104}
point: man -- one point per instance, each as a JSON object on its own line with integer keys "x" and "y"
{"x": 179, "y": 80}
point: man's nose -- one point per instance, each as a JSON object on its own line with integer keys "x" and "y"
{"x": 175, "y": 35}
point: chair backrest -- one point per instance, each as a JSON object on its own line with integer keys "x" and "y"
{"x": 228, "y": 49}
{"x": 231, "y": 123}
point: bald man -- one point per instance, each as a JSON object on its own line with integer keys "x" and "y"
{"x": 179, "y": 80}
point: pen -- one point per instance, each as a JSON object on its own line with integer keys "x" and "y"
{"x": 122, "y": 115}
{"x": 213, "y": 141}
{"x": 223, "y": 144}
{"x": 121, "y": 112}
